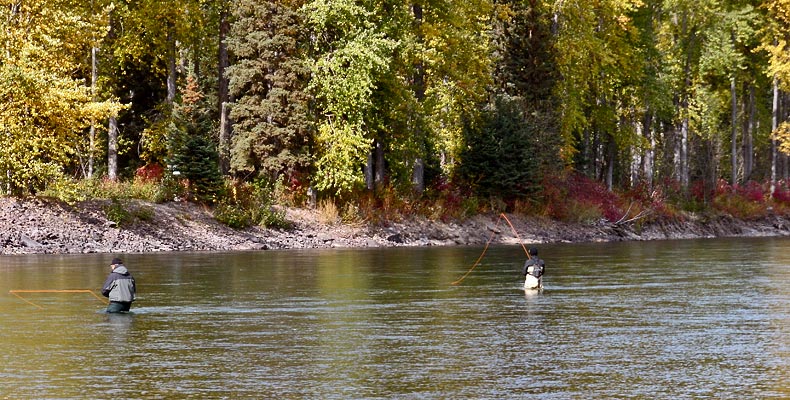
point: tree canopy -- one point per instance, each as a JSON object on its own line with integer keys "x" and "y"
{"x": 491, "y": 95}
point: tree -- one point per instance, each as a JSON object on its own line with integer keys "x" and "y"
{"x": 502, "y": 152}
{"x": 268, "y": 81}
{"x": 353, "y": 54}
{"x": 45, "y": 108}
{"x": 192, "y": 154}
{"x": 155, "y": 44}
{"x": 775, "y": 42}
{"x": 601, "y": 67}
{"x": 451, "y": 43}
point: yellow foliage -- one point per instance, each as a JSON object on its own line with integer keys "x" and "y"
{"x": 782, "y": 135}
{"x": 45, "y": 109}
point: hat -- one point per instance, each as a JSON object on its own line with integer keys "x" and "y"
{"x": 116, "y": 261}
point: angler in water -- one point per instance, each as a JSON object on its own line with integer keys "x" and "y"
{"x": 533, "y": 271}
{"x": 119, "y": 287}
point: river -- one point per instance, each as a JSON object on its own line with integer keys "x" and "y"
{"x": 665, "y": 319}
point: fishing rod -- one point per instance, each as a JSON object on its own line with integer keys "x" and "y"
{"x": 16, "y": 293}
{"x": 493, "y": 232}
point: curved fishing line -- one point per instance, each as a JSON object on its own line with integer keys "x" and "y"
{"x": 493, "y": 232}
{"x": 16, "y": 293}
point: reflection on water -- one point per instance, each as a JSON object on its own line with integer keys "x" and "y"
{"x": 687, "y": 319}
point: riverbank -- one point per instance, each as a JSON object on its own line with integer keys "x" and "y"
{"x": 43, "y": 226}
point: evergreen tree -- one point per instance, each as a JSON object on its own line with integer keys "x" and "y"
{"x": 193, "y": 156}
{"x": 524, "y": 76}
{"x": 271, "y": 132}
{"x": 523, "y": 52}
{"x": 502, "y": 155}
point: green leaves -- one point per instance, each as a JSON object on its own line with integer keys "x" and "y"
{"x": 346, "y": 77}
{"x": 341, "y": 153}
{"x": 353, "y": 57}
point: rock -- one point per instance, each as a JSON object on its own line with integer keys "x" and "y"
{"x": 54, "y": 227}
{"x": 29, "y": 242}
{"x": 395, "y": 238}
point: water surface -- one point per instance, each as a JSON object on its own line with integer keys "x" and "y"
{"x": 667, "y": 319}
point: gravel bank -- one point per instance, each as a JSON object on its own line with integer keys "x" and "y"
{"x": 44, "y": 226}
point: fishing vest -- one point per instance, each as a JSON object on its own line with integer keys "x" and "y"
{"x": 535, "y": 270}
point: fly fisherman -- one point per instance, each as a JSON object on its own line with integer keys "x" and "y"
{"x": 119, "y": 287}
{"x": 533, "y": 271}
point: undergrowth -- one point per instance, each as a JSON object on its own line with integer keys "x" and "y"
{"x": 568, "y": 197}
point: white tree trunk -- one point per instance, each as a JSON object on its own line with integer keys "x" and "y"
{"x": 92, "y": 144}
{"x": 734, "y": 144}
{"x": 774, "y": 126}
{"x": 112, "y": 149}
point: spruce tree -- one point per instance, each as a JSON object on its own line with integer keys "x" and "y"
{"x": 267, "y": 82}
{"x": 502, "y": 155}
{"x": 194, "y": 158}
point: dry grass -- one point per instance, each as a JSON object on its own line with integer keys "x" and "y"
{"x": 328, "y": 212}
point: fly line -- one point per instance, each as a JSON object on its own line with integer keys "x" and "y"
{"x": 493, "y": 232}
{"x": 18, "y": 292}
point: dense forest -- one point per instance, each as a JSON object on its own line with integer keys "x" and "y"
{"x": 468, "y": 104}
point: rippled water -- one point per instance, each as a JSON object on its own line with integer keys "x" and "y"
{"x": 674, "y": 319}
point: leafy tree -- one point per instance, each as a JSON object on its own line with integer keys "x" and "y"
{"x": 397, "y": 78}
{"x": 153, "y": 45}
{"x": 353, "y": 54}
{"x": 601, "y": 67}
{"x": 776, "y": 41}
{"x": 713, "y": 100}
{"x": 45, "y": 108}
{"x": 452, "y": 44}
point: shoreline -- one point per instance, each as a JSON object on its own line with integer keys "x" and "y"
{"x": 46, "y": 226}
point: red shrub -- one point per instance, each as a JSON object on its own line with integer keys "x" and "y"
{"x": 149, "y": 172}
{"x": 563, "y": 193}
{"x": 782, "y": 193}
{"x": 751, "y": 191}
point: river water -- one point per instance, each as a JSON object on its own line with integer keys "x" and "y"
{"x": 664, "y": 319}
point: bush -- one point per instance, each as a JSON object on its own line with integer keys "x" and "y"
{"x": 233, "y": 215}
{"x": 117, "y": 212}
{"x": 573, "y": 197}
{"x": 124, "y": 213}
{"x": 144, "y": 213}
{"x": 782, "y": 194}
{"x": 739, "y": 206}
{"x": 747, "y": 201}
{"x": 149, "y": 173}
{"x": 72, "y": 191}
{"x": 249, "y": 204}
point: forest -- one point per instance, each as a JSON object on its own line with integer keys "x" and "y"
{"x": 576, "y": 110}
